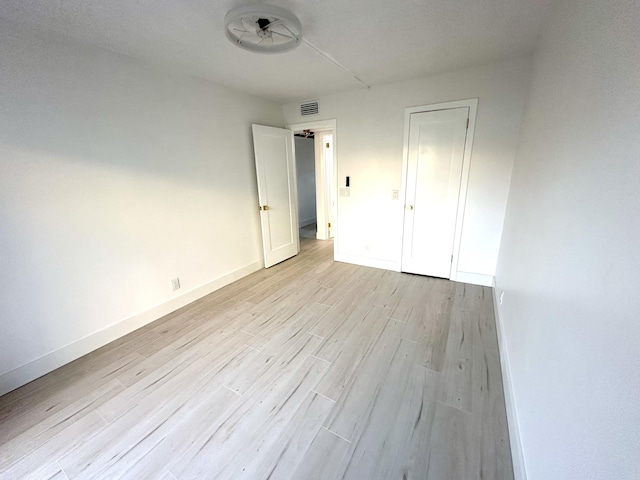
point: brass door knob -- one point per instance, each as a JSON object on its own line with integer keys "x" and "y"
{"x": 264, "y": 207}
{"x": 409, "y": 207}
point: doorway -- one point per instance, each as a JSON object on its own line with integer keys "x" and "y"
{"x": 315, "y": 144}
{"x": 306, "y": 183}
{"x": 438, "y": 142}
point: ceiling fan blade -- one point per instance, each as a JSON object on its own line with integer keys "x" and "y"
{"x": 289, "y": 30}
{"x": 281, "y": 34}
{"x": 250, "y": 27}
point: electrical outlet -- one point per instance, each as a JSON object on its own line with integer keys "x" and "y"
{"x": 394, "y": 194}
{"x": 175, "y": 283}
{"x": 345, "y": 192}
{"x": 501, "y": 297}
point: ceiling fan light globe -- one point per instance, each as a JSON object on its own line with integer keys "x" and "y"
{"x": 248, "y": 26}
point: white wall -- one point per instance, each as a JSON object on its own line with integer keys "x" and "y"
{"x": 306, "y": 171}
{"x": 369, "y": 149}
{"x": 115, "y": 178}
{"x": 570, "y": 255}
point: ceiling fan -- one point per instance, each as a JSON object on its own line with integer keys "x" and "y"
{"x": 263, "y": 28}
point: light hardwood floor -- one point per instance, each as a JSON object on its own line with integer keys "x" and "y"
{"x": 308, "y": 370}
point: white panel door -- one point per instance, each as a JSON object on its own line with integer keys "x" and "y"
{"x": 434, "y": 171}
{"x": 275, "y": 168}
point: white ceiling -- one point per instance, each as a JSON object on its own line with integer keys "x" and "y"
{"x": 379, "y": 41}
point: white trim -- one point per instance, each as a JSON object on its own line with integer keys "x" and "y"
{"x": 472, "y": 104}
{"x": 517, "y": 454}
{"x": 474, "y": 278}
{"x": 41, "y": 366}
{"x": 308, "y": 221}
{"x": 332, "y": 126}
{"x": 322, "y": 202}
{"x": 368, "y": 262}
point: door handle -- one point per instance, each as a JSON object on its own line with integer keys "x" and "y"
{"x": 409, "y": 207}
{"x": 263, "y": 207}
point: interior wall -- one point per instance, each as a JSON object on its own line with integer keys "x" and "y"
{"x": 116, "y": 178}
{"x": 306, "y": 177}
{"x": 570, "y": 254}
{"x": 370, "y": 127}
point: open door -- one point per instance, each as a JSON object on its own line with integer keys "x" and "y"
{"x": 275, "y": 168}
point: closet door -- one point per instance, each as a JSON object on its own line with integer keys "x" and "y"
{"x": 434, "y": 171}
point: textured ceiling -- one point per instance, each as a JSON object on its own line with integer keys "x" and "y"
{"x": 378, "y": 41}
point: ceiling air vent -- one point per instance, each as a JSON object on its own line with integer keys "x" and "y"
{"x": 309, "y": 108}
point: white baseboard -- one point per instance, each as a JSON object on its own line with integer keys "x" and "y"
{"x": 368, "y": 262}
{"x": 474, "y": 278}
{"x": 517, "y": 455}
{"x": 309, "y": 221}
{"x": 47, "y": 363}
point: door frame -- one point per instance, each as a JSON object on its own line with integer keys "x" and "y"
{"x": 472, "y": 104}
{"x": 322, "y": 161}
{"x": 329, "y": 125}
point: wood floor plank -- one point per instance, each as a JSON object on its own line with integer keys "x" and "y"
{"x": 279, "y": 334}
{"x": 277, "y": 448}
{"x": 354, "y": 333}
{"x": 487, "y": 323}
{"x": 394, "y": 441}
{"x": 491, "y": 458}
{"x": 428, "y": 324}
{"x": 390, "y": 289}
{"x": 49, "y": 426}
{"x": 470, "y": 298}
{"x": 26, "y": 413}
{"x": 217, "y": 363}
{"x": 286, "y": 451}
{"x": 337, "y": 275}
{"x": 42, "y": 461}
{"x": 180, "y": 335}
{"x": 324, "y": 459}
{"x": 299, "y": 289}
{"x": 275, "y": 401}
{"x": 130, "y": 436}
{"x": 353, "y": 306}
{"x": 451, "y": 444}
{"x": 118, "y": 449}
{"x": 356, "y": 282}
{"x": 187, "y": 349}
{"x": 457, "y": 372}
{"x": 359, "y": 344}
{"x": 358, "y": 398}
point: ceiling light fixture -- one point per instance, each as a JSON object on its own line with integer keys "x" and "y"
{"x": 263, "y": 28}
